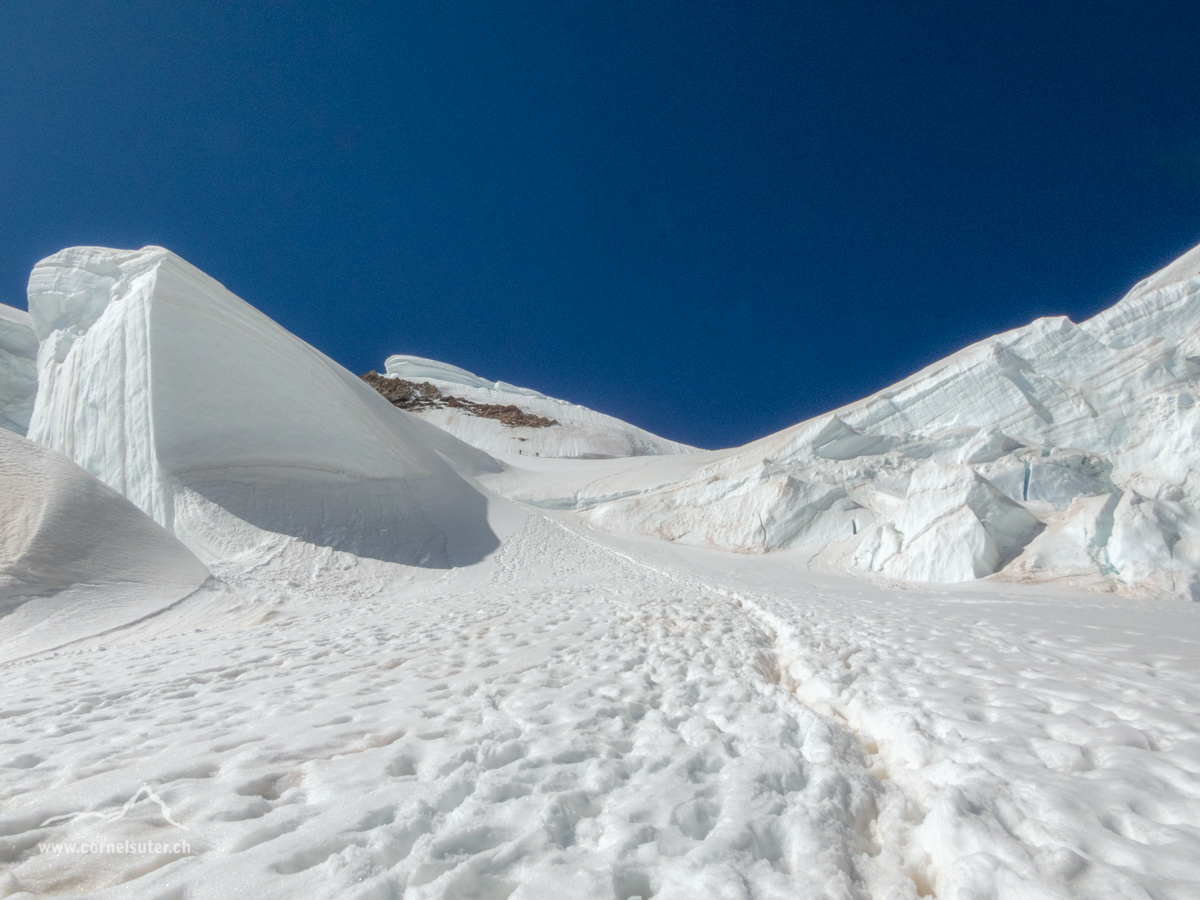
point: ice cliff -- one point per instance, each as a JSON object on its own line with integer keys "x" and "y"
{"x": 230, "y": 432}
{"x": 1053, "y": 451}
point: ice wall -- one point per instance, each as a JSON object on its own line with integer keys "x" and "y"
{"x": 1082, "y": 438}
{"x": 227, "y": 429}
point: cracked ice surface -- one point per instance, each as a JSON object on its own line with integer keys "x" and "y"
{"x": 1047, "y": 417}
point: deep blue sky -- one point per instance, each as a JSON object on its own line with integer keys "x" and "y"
{"x": 713, "y": 219}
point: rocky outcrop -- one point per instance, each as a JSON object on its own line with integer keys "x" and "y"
{"x": 414, "y": 397}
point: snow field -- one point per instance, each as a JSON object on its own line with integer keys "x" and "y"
{"x": 591, "y": 718}
{"x": 574, "y": 725}
{"x": 1032, "y": 746}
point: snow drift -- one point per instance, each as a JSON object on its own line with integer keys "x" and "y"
{"x": 18, "y": 368}
{"x": 1051, "y": 451}
{"x": 229, "y": 431}
{"x": 76, "y": 558}
{"x": 578, "y": 432}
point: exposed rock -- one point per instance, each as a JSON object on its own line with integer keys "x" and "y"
{"x": 412, "y": 396}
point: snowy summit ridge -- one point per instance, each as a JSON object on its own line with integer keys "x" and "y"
{"x": 577, "y": 432}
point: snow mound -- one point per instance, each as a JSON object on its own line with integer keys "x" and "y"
{"x": 18, "y": 368}
{"x": 228, "y": 430}
{"x": 76, "y": 558}
{"x": 579, "y": 432}
{"x": 1051, "y": 451}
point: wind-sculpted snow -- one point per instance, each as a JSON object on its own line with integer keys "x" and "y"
{"x": 228, "y": 430}
{"x": 577, "y": 432}
{"x": 76, "y": 558}
{"x": 1085, "y": 436}
{"x": 18, "y": 368}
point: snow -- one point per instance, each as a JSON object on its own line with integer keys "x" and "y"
{"x": 589, "y": 717}
{"x": 1047, "y": 415}
{"x": 580, "y": 433}
{"x": 416, "y": 368}
{"x": 588, "y": 695}
{"x": 18, "y": 368}
{"x": 226, "y": 429}
{"x": 953, "y": 526}
{"x": 76, "y": 558}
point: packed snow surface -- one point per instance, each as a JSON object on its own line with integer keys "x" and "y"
{"x": 18, "y": 368}
{"x": 553, "y": 705}
{"x": 579, "y": 716}
{"x": 579, "y": 432}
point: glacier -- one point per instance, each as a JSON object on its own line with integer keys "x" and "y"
{"x": 1084, "y": 434}
{"x": 263, "y": 633}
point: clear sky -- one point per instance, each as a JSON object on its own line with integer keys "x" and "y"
{"x": 713, "y": 219}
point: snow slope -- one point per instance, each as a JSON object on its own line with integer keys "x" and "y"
{"x": 580, "y": 433}
{"x": 229, "y": 431}
{"x": 580, "y": 716}
{"x": 1053, "y": 451}
{"x": 18, "y": 368}
{"x": 76, "y": 558}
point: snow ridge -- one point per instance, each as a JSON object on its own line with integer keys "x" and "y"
{"x": 76, "y": 558}
{"x": 579, "y": 432}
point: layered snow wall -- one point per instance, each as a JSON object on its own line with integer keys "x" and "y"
{"x": 1053, "y": 451}
{"x": 76, "y": 558}
{"x": 579, "y": 432}
{"x": 228, "y": 430}
{"x": 18, "y": 368}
